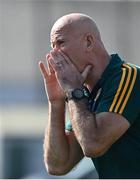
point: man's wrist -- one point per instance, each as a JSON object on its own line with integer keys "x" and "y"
{"x": 78, "y": 93}
{"x": 57, "y": 103}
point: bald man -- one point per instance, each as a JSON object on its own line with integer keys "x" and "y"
{"x": 102, "y": 95}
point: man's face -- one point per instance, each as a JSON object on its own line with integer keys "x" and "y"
{"x": 72, "y": 44}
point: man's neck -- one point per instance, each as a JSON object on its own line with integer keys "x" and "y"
{"x": 97, "y": 72}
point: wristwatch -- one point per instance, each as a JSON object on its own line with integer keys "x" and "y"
{"x": 78, "y": 93}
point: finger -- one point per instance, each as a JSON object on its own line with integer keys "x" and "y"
{"x": 52, "y": 64}
{"x": 86, "y": 71}
{"x": 47, "y": 56}
{"x": 56, "y": 61}
{"x": 43, "y": 70}
{"x": 50, "y": 68}
{"x": 54, "y": 56}
{"x": 58, "y": 58}
{"x": 67, "y": 59}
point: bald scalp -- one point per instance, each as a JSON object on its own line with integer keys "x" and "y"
{"x": 76, "y": 21}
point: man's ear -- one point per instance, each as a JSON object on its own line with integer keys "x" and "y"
{"x": 89, "y": 41}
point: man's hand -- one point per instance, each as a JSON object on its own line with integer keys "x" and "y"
{"x": 66, "y": 73}
{"x": 53, "y": 90}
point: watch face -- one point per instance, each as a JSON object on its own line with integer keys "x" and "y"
{"x": 78, "y": 94}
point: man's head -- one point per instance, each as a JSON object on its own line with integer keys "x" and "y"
{"x": 78, "y": 37}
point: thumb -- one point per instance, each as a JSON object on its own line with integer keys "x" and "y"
{"x": 86, "y": 71}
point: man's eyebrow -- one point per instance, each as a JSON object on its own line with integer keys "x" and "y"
{"x": 57, "y": 39}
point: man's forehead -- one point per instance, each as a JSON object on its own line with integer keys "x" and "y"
{"x": 63, "y": 32}
{"x": 56, "y": 35}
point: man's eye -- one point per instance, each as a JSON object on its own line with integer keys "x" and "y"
{"x": 60, "y": 42}
{"x": 57, "y": 43}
